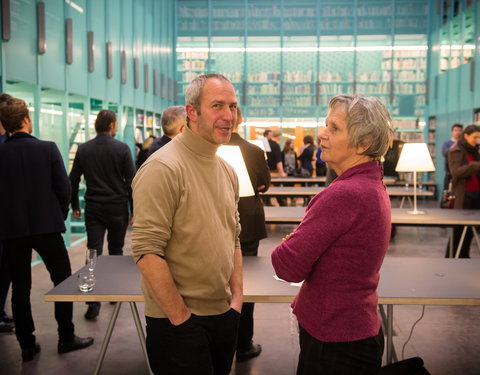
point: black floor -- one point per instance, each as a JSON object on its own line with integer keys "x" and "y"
{"x": 447, "y": 338}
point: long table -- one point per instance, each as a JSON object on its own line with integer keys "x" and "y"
{"x": 403, "y": 281}
{"x": 320, "y": 180}
{"x": 434, "y": 217}
{"x": 309, "y": 191}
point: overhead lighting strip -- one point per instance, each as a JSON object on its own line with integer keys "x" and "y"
{"x": 305, "y": 49}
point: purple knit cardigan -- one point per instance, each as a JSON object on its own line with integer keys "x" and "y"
{"x": 337, "y": 251}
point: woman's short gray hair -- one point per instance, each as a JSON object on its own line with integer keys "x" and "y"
{"x": 368, "y": 121}
{"x": 193, "y": 93}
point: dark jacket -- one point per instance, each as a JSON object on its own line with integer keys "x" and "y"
{"x": 252, "y": 216}
{"x": 108, "y": 168}
{"x": 34, "y": 188}
{"x": 274, "y": 156}
{"x": 461, "y": 170}
{"x": 159, "y": 143}
{"x": 306, "y": 158}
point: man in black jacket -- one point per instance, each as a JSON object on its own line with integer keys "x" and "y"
{"x": 173, "y": 122}
{"x": 107, "y": 166}
{"x": 6, "y": 321}
{"x": 34, "y": 196}
{"x": 252, "y": 221}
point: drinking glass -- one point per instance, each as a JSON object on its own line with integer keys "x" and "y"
{"x": 86, "y": 281}
{"x": 91, "y": 259}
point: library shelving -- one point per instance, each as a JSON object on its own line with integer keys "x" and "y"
{"x": 286, "y": 58}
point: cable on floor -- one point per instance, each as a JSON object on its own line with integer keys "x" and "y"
{"x": 411, "y": 331}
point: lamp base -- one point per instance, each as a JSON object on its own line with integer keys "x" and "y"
{"x": 416, "y": 212}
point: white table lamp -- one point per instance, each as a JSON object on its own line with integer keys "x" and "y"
{"x": 415, "y": 158}
{"x": 233, "y": 156}
{"x": 266, "y": 145}
{"x": 259, "y": 143}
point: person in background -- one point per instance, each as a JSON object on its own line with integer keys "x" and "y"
{"x": 274, "y": 157}
{"x": 391, "y": 158}
{"x": 144, "y": 151}
{"x": 306, "y": 157}
{"x": 252, "y": 222}
{"x": 173, "y": 123}
{"x": 3, "y": 132}
{"x": 464, "y": 166}
{"x": 6, "y": 321}
{"x": 457, "y": 135}
{"x": 107, "y": 166}
{"x": 185, "y": 239}
{"x": 34, "y": 196}
{"x": 338, "y": 248}
{"x": 289, "y": 157}
{"x": 290, "y": 165}
{"x": 320, "y": 166}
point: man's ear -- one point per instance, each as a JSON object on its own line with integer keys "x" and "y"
{"x": 191, "y": 113}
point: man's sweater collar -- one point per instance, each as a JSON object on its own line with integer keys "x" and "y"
{"x": 196, "y": 143}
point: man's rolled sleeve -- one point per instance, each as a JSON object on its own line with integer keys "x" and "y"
{"x": 155, "y": 198}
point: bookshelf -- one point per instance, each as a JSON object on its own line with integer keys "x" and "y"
{"x": 476, "y": 116}
{"x": 286, "y": 58}
{"x": 457, "y": 40}
{"x": 431, "y": 144}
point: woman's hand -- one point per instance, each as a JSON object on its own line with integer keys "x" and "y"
{"x": 288, "y": 236}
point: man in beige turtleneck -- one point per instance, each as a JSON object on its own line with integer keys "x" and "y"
{"x": 186, "y": 239}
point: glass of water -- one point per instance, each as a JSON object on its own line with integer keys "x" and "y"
{"x": 86, "y": 281}
{"x": 91, "y": 259}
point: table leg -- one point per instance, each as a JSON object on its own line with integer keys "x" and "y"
{"x": 450, "y": 243}
{"x": 389, "y": 334}
{"x": 385, "y": 324}
{"x": 402, "y": 201}
{"x": 106, "y": 340}
{"x": 141, "y": 335}
{"x": 410, "y": 201}
{"x": 475, "y": 234}
{"x": 459, "y": 247}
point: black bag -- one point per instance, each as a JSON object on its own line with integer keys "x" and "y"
{"x": 289, "y": 170}
{"x": 448, "y": 199}
{"x": 410, "y": 366}
{"x": 302, "y": 172}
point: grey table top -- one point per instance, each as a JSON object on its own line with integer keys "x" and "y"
{"x": 432, "y": 217}
{"x": 415, "y": 281}
{"x": 317, "y": 180}
{"x": 393, "y": 191}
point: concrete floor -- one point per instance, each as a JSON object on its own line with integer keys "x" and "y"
{"x": 447, "y": 338}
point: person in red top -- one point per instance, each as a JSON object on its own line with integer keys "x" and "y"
{"x": 338, "y": 248}
{"x": 464, "y": 166}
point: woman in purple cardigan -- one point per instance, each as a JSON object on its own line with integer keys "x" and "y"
{"x": 338, "y": 249}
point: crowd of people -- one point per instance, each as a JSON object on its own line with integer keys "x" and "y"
{"x": 191, "y": 268}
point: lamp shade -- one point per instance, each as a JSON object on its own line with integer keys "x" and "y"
{"x": 233, "y": 156}
{"x": 415, "y": 158}
{"x": 258, "y": 143}
{"x": 266, "y": 145}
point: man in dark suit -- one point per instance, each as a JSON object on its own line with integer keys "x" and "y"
{"x": 107, "y": 165}
{"x": 34, "y": 196}
{"x": 173, "y": 122}
{"x": 252, "y": 221}
{"x": 6, "y": 321}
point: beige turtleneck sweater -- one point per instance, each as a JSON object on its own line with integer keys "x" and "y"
{"x": 185, "y": 203}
